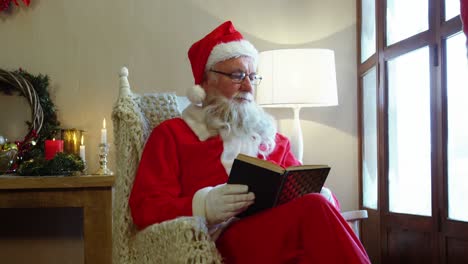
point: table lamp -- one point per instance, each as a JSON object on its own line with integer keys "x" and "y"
{"x": 296, "y": 78}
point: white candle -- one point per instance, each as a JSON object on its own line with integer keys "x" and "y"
{"x": 82, "y": 150}
{"x": 104, "y": 132}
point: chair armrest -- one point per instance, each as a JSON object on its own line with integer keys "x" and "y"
{"x": 354, "y": 215}
{"x": 189, "y": 242}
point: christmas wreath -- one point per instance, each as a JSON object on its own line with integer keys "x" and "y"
{"x": 44, "y": 125}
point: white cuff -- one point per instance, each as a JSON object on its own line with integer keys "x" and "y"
{"x": 198, "y": 202}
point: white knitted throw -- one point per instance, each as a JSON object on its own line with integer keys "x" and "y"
{"x": 182, "y": 240}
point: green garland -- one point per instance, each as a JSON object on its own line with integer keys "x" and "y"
{"x": 61, "y": 164}
{"x": 32, "y": 160}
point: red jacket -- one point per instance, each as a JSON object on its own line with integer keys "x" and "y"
{"x": 175, "y": 164}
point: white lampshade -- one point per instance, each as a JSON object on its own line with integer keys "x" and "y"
{"x": 304, "y": 77}
{"x": 297, "y": 78}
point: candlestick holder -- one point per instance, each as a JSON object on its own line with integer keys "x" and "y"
{"x": 85, "y": 168}
{"x": 103, "y": 151}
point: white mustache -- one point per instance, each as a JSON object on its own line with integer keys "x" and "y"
{"x": 245, "y": 96}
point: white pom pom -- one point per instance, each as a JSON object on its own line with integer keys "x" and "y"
{"x": 196, "y": 94}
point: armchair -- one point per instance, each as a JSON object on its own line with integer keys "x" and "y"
{"x": 133, "y": 117}
{"x": 182, "y": 240}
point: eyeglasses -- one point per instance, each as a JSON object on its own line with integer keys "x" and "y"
{"x": 238, "y": 77}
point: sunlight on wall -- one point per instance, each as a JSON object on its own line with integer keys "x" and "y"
{"x": 284, "y": 22}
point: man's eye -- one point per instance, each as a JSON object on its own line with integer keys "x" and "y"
{"x": 238, "y": 75}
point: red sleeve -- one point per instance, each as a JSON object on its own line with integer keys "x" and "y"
{"x": 282, "y": 154}
{"x": 156, "y": 191}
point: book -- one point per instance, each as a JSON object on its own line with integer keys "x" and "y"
{"x": 274, "y": 185}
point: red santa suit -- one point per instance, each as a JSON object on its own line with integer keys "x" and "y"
{"x": 182, "y": 157}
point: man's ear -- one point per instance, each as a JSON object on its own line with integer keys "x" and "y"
{"x": 208, "y": 83}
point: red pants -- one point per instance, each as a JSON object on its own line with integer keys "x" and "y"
{"x": 306, "y": 230}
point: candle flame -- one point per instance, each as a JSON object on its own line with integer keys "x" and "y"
{"x": 104, "y": 123}
{"x": 82, "y": 140}
{"x": 53, "y": 139}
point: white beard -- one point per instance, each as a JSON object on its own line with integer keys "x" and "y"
{"x": 244, "y": 126}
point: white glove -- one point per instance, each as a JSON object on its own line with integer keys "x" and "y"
{"x": 219, "y": 203}
{"x": 325, "y": 192}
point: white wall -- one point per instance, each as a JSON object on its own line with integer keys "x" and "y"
{"x": 81, "y": 45}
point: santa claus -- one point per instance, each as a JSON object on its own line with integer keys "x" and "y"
{"x": 186, "y": 163}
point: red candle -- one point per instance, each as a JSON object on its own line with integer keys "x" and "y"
{"x": 52, "y": 147}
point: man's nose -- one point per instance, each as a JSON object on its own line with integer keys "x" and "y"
{"x": 246, "y": 85}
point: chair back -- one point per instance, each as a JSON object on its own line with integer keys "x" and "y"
{"x": 134, "y": 116}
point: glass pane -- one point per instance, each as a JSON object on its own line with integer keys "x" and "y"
{"x": 369, "y": 155}
{"x": 452, "y": 9}
{"x": 409, "y": 133}
{"x": 406, "y": 18}
{"x": 457, "y": 147}
{"x": 368, "y": 41}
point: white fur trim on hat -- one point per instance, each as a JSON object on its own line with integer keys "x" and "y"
{"x": 233, "y": 49}
{"x": 196, "y": 94}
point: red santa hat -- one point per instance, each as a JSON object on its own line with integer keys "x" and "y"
{"x": 223, "y": 43}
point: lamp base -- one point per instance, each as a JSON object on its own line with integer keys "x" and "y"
{"x": 297, "y": 146}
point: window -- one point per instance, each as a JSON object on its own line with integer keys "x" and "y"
{"x": 413, "y": 105}
{"x": 457, "y": 147}
{"x": 369, "y": 160}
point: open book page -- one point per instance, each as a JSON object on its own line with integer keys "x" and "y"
{"x": 307, "y": 167}
{"x": 261, "y": 163}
